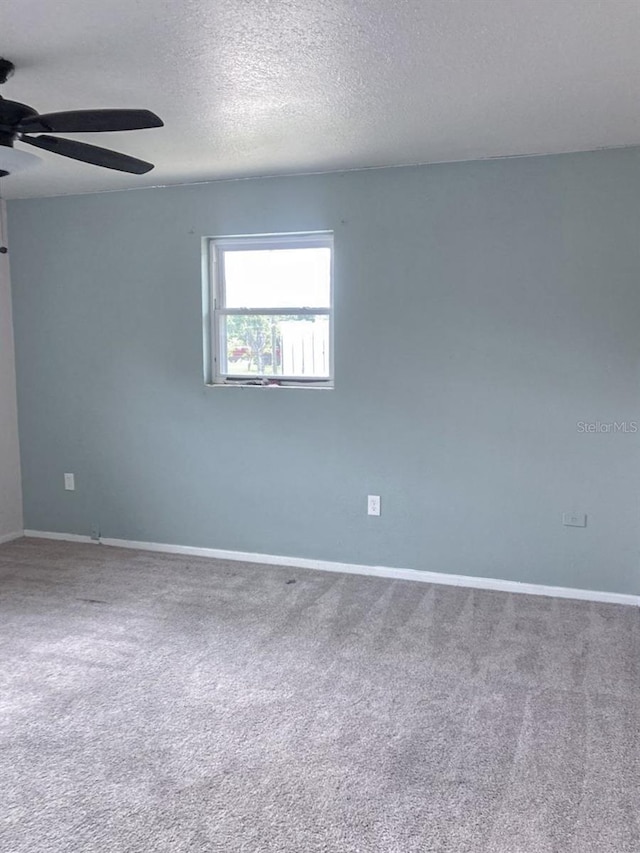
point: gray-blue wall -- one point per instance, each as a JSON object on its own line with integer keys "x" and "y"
{"x": 482, "y": 311}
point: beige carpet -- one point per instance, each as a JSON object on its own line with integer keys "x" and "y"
{"x": 151, "y": 703}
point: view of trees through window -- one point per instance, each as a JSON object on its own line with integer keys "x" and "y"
{"x": 277, "y": 345}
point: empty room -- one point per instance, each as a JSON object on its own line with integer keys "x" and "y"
{"x": 320, "y": 426}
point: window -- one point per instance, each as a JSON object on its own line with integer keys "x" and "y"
{"x": 268, "y": 310}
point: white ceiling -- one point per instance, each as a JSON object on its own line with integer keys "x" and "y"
{"x": 262, "y": 87}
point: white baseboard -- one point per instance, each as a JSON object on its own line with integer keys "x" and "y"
{"x": 9, "y": 537}
{"x": 62, "y": 537}
{"x": 494, "y": 584}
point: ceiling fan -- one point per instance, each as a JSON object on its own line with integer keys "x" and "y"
{"x": 19, "y": 121}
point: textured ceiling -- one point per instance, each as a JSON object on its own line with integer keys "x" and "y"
{"x": 262, "y": 87}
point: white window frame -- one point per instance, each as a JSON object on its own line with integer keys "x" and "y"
{"x": 215, "y": 306}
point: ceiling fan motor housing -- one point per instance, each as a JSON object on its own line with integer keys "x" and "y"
{"x": 11, "y": 113}
{"x": 12, "y": 160}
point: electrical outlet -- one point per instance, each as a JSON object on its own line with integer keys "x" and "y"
{"x": 574, "y": 519}
{"x": 373, "y": 504}
{"x": 70, "y": 482}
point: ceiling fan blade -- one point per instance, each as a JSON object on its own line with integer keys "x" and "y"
{"x": 89, "y": 121}
{"x": 90, "y": 154}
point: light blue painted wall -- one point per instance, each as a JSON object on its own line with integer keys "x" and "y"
{"x": 10, "y": 490}
{"x": 482, "y": 310}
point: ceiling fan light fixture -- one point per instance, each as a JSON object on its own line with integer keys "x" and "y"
{"x": 13, "y": 160}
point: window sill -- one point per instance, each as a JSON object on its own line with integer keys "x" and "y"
{"x": 303, "y": 386}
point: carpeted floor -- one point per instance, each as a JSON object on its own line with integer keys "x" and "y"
{"x": 151, "y": 703}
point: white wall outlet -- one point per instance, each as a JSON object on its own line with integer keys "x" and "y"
{"x": 373, "y": 504}
{"x": 574, "y": 519}
{"x": 70, "y": 482}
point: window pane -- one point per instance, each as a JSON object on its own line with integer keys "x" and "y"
{"x": 295, "y": 345}
{"x": 278, "y": 278}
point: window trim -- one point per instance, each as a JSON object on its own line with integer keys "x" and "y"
{"x": 214, "y": 293}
